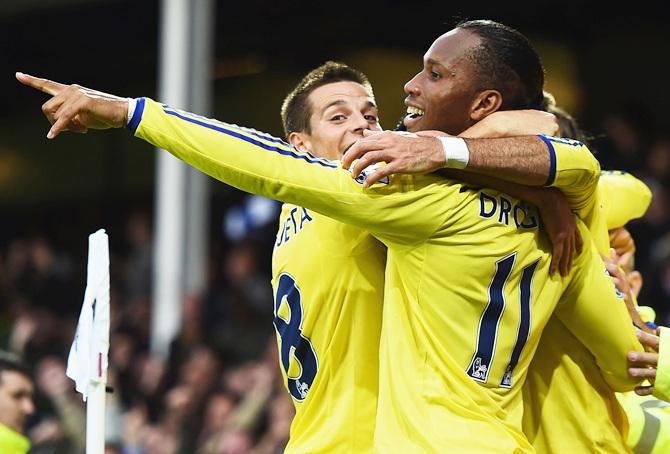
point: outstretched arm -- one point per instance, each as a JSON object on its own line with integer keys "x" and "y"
{"x": 253, "y": 161}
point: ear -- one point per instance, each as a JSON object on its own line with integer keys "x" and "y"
{"x": 300, "y": 140}
{"x": 635, "y": 282}
{"x": 486, "y": 102}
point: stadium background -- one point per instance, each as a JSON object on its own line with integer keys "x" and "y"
{"x": 608, "y": 66}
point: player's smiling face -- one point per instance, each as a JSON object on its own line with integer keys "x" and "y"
{"x": 442, "y": 94}
{"x": 340, "y": 113}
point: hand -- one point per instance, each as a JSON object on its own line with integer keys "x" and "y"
{"x": 622, "y": 241}
{"x": 561, "y": 227}
{"x": 77, "y": 109}
{"x": 511, "y": 123}
{"x": 47, "y": 430}
{"x": 402, "y": 153}
{"x": 643, "y": 365}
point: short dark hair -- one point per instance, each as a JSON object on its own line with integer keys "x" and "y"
{"x": 296, "y": 109}
{"x": 506, "y": 61}
{"x": 11, "y": 362}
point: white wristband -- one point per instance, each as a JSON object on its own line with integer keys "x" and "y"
{"x": 456, "y": 153}
{"x": 132, "y": 103}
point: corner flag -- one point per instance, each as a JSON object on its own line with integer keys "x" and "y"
{"x": 87, "y": 362}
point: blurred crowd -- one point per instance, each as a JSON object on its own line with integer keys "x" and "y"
{"x": 630, "y": 141}
{"x": 220, "y": 389}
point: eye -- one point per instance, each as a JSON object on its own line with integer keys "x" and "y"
{"x": 338, "y": 117}
{"x": 434, "y": 75}
{"x": 372, "y": 118}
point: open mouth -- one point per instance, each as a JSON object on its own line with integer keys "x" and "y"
{"x": 414, "y": 112}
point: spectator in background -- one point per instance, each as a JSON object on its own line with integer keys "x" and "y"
{"x": 70, "y": 417}
{"x": 16, "y": 404}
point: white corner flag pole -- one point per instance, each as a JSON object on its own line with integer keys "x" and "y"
{"x": 87, "y": 362}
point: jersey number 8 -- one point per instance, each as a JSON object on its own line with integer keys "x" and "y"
{"x": 297, "y": 355}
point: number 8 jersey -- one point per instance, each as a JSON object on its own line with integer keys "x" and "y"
{"x": 328, "y": 282}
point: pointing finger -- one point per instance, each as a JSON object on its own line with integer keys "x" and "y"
{"x": 45, "y": 85}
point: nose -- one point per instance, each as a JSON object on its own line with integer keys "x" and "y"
{"x": 28, "y": 406}
{"x": 412, "y": 86}
{"x": 359, "y": 123}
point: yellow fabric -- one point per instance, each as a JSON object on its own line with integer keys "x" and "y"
{"x": 438, "y": 389}
{"x": 624, "y": 197}
{"x": 649, "y": 423}
{"x": 12, "y": 442}
{"x": 339, "y": 272}
{"x": 568, "y": 405}
{"x": 647, "y": 313}
{"x": 662, "y": 383}
{"x": 568, "y": 161}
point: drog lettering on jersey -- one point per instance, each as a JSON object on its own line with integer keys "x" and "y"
{"x": 293, "y": 224}
{"x": 503, "y": 210}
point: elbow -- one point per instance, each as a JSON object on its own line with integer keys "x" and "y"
{"x": 589, "y": 174}
{"x": 591, "y": 167}
{"x": 621, "y": 383}
{"x": 617, "y": 376}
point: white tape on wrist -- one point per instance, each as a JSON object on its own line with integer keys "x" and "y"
{"x": 456, "y": 153}
{"x": 132, "y": 103}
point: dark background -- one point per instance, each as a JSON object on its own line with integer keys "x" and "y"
{"x": 602, "y": 61}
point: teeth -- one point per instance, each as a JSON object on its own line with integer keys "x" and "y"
{"x": 414, "y": 111}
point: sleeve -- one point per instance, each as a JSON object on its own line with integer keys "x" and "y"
{"x": 574, "y": 170}
{"x": 592, "y": 310}
{"x": 258, "y": 163}
{"x": 662, "y": 383}
{"x": 624, "y": 197}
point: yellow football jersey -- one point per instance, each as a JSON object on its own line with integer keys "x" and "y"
{"x": 568, "y": 405}
{"x": 649, "y": 423}
{"x": 328, "y": 281}
{"x": 466, "y": 293}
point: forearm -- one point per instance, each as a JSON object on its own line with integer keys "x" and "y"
{"x": 565, "y": 164}
{"x": 534, "y": 195}
{"x": 73, "y": 417}
{"x": 523, "y": 160}
{"x": 593, "y": 312}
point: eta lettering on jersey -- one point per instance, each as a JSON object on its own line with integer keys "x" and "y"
{"x": 293, "y": 224}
